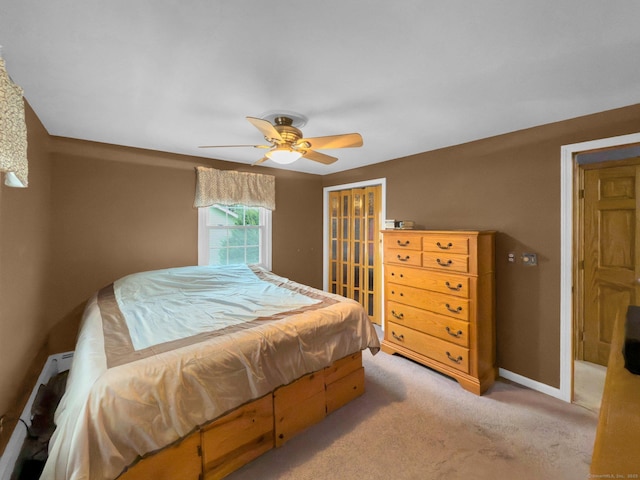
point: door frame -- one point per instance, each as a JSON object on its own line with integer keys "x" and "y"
{"x": 567, "y": 271}
{"x": 325, "y": 224}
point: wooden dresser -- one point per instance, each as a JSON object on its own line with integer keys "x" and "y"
{"x": 440, "y": 300}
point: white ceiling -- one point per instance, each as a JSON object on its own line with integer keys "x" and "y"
{"x": 409, "y": 75}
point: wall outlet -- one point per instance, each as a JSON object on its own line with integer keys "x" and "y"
{"x": 530, "y": 259}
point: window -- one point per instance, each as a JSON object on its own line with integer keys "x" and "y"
{"x": 234, "y": 234}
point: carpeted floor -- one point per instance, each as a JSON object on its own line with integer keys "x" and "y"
{"x": 413, "y": 423}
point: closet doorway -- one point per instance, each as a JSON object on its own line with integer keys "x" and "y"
{"x": 353, "y": 262}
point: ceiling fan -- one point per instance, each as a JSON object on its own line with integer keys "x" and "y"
{"x": 286, "y": 143}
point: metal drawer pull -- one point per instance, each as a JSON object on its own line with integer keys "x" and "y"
{"x": 452, "y": 310}
{"x": 404, "y": 244}
{"x": 457, "y": 334}
{"x": 444, "y": 247}
{"x": 449, "y": 262}
{"x": 407, "y": 257}
{"x": 457, "y": 289}
{"x": 397, "y": 337}
{"x": 456, "y": 360}
{"x": 399, "y": 316}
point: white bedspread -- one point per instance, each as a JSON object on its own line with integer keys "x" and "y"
{"x": 168, "y": 305}
{"x": 184, "y": 346}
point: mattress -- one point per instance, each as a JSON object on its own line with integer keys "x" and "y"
{"x": 161, "y": 353}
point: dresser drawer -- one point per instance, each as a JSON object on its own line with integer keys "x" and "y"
{"x": 446, "y": 262}
{"x": 402, "y": 240}
{"x": 403, "y": 257}
{"x": 446, "y": 328}
{"x": 432, "y": 347}
{"x": 457, "y": 285}
{"x": 448, "y": 305}
{"x": 445, "y": 243}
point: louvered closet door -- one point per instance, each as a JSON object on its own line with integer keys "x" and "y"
{"x": 354, "y": 257}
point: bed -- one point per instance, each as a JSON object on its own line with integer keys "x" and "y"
{"x": 209, "y": 366}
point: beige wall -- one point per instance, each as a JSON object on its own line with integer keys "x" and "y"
{"x": 119, "y": 210}
{"x": 509, "y": 183}
{"x": 24, "y": 261}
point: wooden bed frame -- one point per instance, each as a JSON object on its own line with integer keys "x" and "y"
{"x": 233, "y": 440}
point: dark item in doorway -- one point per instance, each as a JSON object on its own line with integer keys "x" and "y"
{"x": 631, "y": 348}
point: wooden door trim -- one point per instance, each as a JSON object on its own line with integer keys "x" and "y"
{"x": 567, "y": 264}
{"x": 611, "y": 164}
{"x": 578, "y": 261}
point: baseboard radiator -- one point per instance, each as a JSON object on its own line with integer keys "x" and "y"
{"x": 54, "y": 365}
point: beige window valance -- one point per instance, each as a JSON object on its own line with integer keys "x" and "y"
{"x": 13, "y": 132}
{"x": 228, "y": 187}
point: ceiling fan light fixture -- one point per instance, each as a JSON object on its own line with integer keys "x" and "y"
{"x": 283, "y": 155}
{"x": 287, "y": 144}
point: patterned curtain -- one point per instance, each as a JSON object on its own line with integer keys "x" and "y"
{"x": 13, "y": 132}
{"x": 228, "y": 187}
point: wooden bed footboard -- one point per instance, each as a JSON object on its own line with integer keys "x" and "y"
{"x": 233, "y": 440}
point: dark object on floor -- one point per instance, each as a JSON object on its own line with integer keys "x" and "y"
{"x": 631, "y": 349}
{"x": 33, "y": 454}
{"x": 31, "y": 470}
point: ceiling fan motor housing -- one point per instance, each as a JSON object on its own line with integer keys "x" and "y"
{"x": 282, "y": 120}
{"x": 289, "y": 133}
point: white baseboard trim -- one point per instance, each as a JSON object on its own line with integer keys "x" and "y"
{"x": 532, "y": 384}
{"x": 55, "y": 364}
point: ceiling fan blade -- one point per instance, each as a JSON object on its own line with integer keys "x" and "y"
{"x": 319, "y": 157}
{"x": 268, "y": 130}
{"x": 348, "y": 140}
{"x": 262, "y": 160}
{"x": 234, "y": 146}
